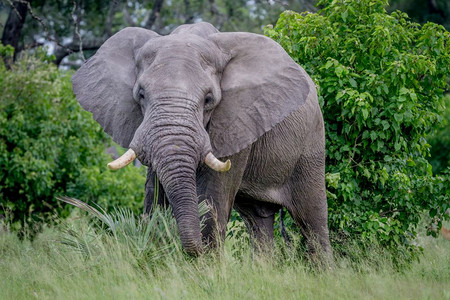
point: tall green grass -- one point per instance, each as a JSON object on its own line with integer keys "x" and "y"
{"x": 119, "y": 255}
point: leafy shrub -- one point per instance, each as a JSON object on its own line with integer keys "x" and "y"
{"x": 440, "y": 142}
{"x": 49, "y": 146}
{"x": 380, "y": 81}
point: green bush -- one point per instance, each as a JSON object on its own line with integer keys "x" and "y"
{"x": 380, "y": 81}
{"x": 440, "y": 142}
{"x": 49, "y": 146}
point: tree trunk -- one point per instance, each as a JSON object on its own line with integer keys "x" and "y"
{"x": 189, "y": 19}
{"x": 14, "y": 25}
{"x": 157, "y": 6}
{"x": 434, "y": 8}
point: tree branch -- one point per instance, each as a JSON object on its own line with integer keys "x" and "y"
{"x": 14, "y": 24}
{"x": 113, "y": 8}
{"x": 189, "y": 15}
{"x": 77, "y": 32}
{"x": 74, "y": 46}
{"x": 434, "y": 8}
{"x": 154, "y": 14}
{"x": 127, "y": 17}
{"x": 215, "y": 12}
{"x": 35, "y": 17}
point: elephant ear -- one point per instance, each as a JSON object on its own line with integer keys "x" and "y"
{"x": 104, "y": 84}
{"x": 261, "y": 85}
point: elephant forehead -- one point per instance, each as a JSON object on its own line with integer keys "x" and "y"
{"x": 185, "y": 45}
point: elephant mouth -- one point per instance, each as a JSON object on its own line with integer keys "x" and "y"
{"x": 210, "y": 160}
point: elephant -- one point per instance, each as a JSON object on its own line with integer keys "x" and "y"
{"x": 225, "y": 117}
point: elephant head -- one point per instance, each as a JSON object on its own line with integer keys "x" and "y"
{"x": 180, "y": 100}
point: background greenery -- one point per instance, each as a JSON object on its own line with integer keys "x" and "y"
{"x": 439, "y": 141}
{"x": 49, "y": 146}
{"x": 381, "y": 82}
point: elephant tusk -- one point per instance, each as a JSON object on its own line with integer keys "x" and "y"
{"x": 122, "y": 161}
{"x": 215, "y": 164}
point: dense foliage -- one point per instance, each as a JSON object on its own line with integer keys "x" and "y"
{"x": 381, "y": 80}
{"x": 49, "y": 146}
{"x": 440, "y": 142}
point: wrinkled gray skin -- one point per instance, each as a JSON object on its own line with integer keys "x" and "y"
{"x": 174, "y": 98}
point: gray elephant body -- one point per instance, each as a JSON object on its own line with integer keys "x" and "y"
{"x": 284, "y": 168}
{"x": 237, "y": 95}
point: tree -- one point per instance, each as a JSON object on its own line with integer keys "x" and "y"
{"x": 71, "y": 27}
{"x": 14, "y": 24}
{"x": 381, "y": 81}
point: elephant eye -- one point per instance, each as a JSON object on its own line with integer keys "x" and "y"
{"x": 209, "y": 102}
{"x": 141, "y": 94}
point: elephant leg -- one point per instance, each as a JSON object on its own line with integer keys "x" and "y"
{"x": 219, "y": 190}
{"x": 309, "y": 203}
{"x": 154, "y": 193}
{"x": 259, "y": 218}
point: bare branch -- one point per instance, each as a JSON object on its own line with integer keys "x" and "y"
{"x": 13, "y": 28}
{"x": 220, "y": 17}
{"x": 32, "y": 45}
{"x": 278, "y": 2}
{"x": 89, "y": 44}
{"x": 154, "y": 14}
{"x": 127, "y": 17}
{"x": 13, "y": 7}
{"x": 189, "y": 14}
{"x": 77, "y": 32}
{"x": 113, "y": 8}
{"x": 75, "y": 64}
{"x": 44, "y": 26}
{"x": 77, "y": 45}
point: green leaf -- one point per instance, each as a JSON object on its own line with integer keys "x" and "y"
{"x": 329, "y": 64}
{"x": 404, "y": 91}
{"x": 401, "y": 99}
{"x": 339, "y": 70}
{"x": 332, "y": 179}
{"x": 373, "y": 135}
{"x": 410, "y": 162}
{"x": 398, "y": 117}
{"x": 433, "y": 212}
{"x": 365, "y": 113}
{"x": 344, "y": 15}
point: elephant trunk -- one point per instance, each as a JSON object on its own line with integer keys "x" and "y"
{"x": 173, "y": 145}
{"x": 180, "y": 187}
